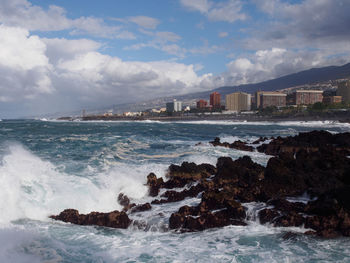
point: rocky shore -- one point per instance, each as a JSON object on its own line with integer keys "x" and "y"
{"x": 315, "y": 164}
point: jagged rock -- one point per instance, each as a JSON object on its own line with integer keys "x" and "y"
{"x": 154, "y": 184}
{"x": 174, "y": 196}
{"x": 124, "y": 201}
{"x": 286, "y": 206}
{"x": 267, "y": 215}
{"x": 238, "y": 145}
{"x": 141, "y": 208}
{"x": 113, "y": 219}
{"x": 241, "y": 177}
{"x": 319, "y": 172}
{"x": 180, "y": 176}
{"x": 310, "y": 142}
{"x": 202, "y": 222}
{"x": 261, "y": 139}
{"x": 217, "y": 209}
{"x": 290, "y": 219}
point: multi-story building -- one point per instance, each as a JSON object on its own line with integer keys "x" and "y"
{"x": 344, "y": 91}
{"x": 238, "y": 101}
{"x": 202, "y": 104}
{"x": 265, "y": 99}
{"x": 305, "y": 97}
{"x": 332, "y": 99}
{"x": 215, "y": 100}
{"x": 174, "y": 106}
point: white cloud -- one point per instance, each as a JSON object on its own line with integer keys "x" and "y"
{"x": 229, "y": 11}
{"x": 145, "y": 21}
{"x": 223, "y": 34}
{"x": 24, "y": 67}
{"x": 60, "y": 74}
{"x": 22, "y": 13}
{"x": 202, "y": 6}
{"x": 308, "y": 23}
{"x": 162, "y": 40}
{"x": 98, "y": 76}
{"x": 167, "y": 37}
{"x": 272, "y": 63}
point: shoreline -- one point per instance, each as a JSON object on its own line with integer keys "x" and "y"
{"x": 342, "y": 117}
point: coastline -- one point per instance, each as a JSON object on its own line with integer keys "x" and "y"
{"x": 337, "y": 116}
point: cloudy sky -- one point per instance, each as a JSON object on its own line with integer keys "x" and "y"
{"x": 64, "y": 55}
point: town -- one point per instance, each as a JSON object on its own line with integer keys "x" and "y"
{"x": 296, "y": 101}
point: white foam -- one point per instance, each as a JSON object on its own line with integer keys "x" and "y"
{"x": 13, "y": 241}
{"x": 33, "y": 188}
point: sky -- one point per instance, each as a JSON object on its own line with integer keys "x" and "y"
{"x": 66, "y": 55}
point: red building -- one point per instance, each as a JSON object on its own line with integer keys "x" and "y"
{"x": 305, "y": 97}
{"x": 272, "y": 99}
{"x": 215, "y": 100}
{"x": 202, "y": 104}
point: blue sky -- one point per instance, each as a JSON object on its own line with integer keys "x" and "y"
{"x": 66, "y": 55}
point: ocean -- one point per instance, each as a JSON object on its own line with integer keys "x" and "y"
{"x": 48, "y": 166}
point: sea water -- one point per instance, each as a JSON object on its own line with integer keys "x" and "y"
{"x": 48, "y": 166}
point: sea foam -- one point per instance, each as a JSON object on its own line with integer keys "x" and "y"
{"x": 34, "y": 188}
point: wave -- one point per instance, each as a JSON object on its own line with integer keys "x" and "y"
{"x": 34, "y": 188}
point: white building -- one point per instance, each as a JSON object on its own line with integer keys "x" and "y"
{"x": 174, "y": 106}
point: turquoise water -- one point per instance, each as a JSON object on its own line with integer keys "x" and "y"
{"x": 48, "y": 166}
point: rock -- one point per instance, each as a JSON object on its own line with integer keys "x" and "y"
{"x": 154, "y": 184}
{"x": 141, "y": 208}
{"x": 123, "y": 200}
{"x": 310, "y": 142}
{"x": 113, "y": 219}
{"x": 286, "y": 206}
{"x": 267, "y": 215}
{"x": 69, "y": 215}
{"x": 180, "y": 176}
{"x": 242, "y": 146}
{"x": 242, "y": 177}
{"x": 238, "y": 145}
{"x": 261, "y": 139}
{"x": 204, "y": 221}
{"x": 174, "y": 196}
{"x": 290, "y": 219}
{"x": 215, "y": 200}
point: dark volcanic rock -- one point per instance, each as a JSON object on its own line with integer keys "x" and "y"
{"x": 154, "y": 184}
{"x": 125, "y": 202}
{"x": 268, "y": 215}
{"x": 310, "y": 142}
{"x": 202, "y": 222}
{"x": 238, "y": 145}
{"x": 217, "y": 209}
{"x": 261, "y": 139}
{"x": 141, "y": 208}
{"x": 286, "y": 206}
{"x": 242, "y": 178}
{"x": 179, "y": 176}
{"x": 174, "y": 196}
{"x": 318, "y": 172}
{"x": 113, "y": 219}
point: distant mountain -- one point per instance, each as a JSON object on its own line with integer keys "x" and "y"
{"x": 301, "y": 78}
